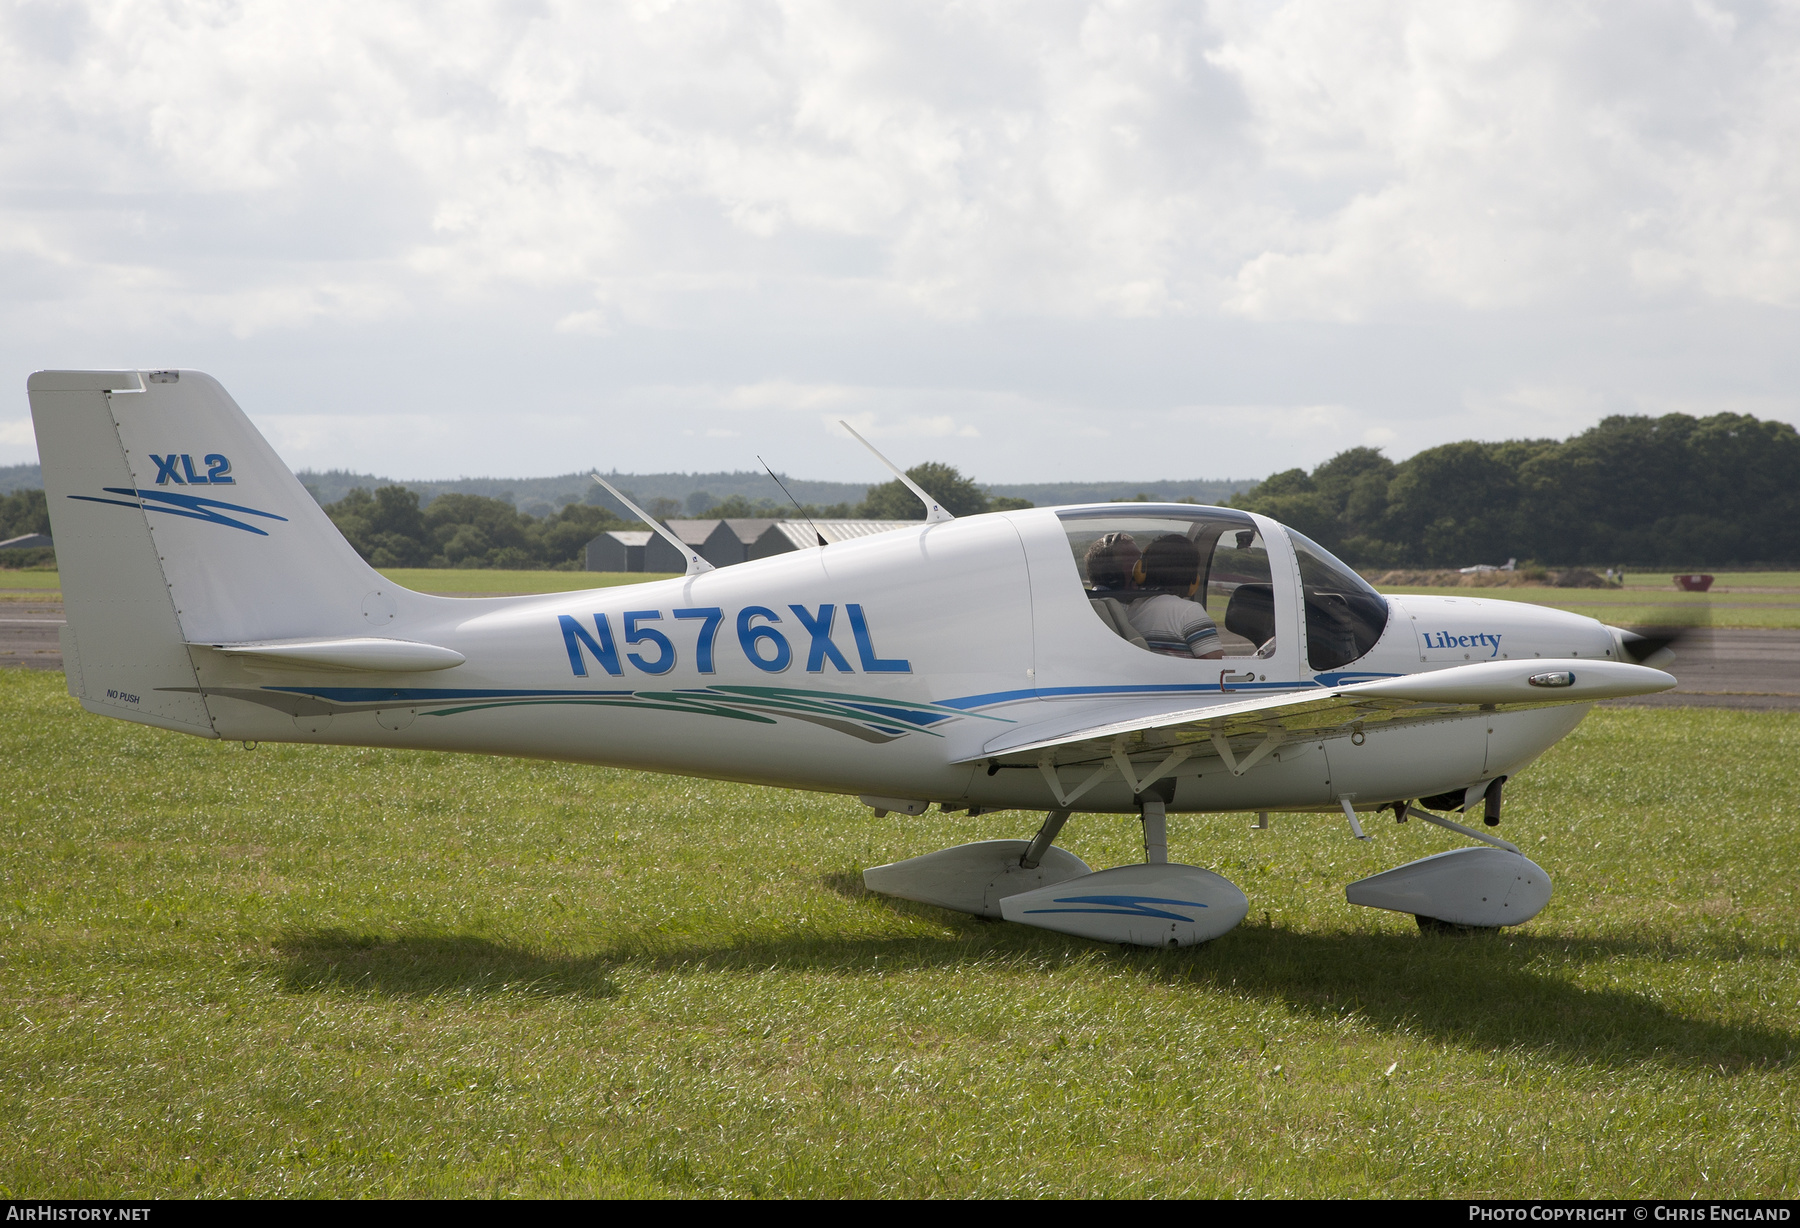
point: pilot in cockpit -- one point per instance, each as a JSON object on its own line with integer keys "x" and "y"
{"x": 1111, "y": 562}
{"x": 1170, "y": 620}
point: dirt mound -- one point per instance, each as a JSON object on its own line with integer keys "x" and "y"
{"x": 1532, "y": 577}
{"x": 1576, "y": 577}
{"x": 1444, "y": 578}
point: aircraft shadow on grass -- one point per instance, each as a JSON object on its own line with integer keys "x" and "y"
{"x": 1480, "y": 991}
{"x": 423, "y": 965}
{"x": 1487, "y": 993}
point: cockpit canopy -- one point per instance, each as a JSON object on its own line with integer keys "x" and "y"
{"x": 1198, "y": 584}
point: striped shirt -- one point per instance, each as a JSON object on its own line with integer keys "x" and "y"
{"x": 1176, "y": 626}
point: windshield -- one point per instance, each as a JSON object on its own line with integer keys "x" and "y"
{"x": 1344, "y": 615}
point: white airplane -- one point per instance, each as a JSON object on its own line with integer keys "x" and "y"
{"x": 996, "y": 662}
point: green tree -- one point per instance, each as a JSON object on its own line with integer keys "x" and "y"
{"x": 1677, "y": 489}
{"x": 737, "y": 507}
{"x": 1456, "y": 505}
{"x": 563, "y": 536}
{"x": 22, "y": 512}
{"x": 385, "y": 527}
{"x": 389, "y": 529}
{"x": 470, "y": 530}
{"x": 1342, "y": 504}
{"x": 1672, "y": 490}
{"x": 958, "y": 495}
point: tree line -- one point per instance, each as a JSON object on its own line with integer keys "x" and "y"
{"x": 1670, "y": 491}
{"x": 1638, "y": 491}
{"x": 389, "y": 528}
{"x": 22, "y": 512}
{"x": 959, "y": 495}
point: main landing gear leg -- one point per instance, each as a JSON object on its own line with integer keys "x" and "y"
{"x": 1046, "y": 836}
{"x": 1156, "y": 832}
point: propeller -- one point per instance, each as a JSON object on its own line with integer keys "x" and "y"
{"x": 1653, "y": 643}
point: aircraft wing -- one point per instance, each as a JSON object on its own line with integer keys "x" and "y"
{"x": 1331, "y": 711}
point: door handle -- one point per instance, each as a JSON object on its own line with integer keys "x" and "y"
{"x": 1227, "y": 678}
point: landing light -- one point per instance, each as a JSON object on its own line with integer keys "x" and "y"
{"x": 1559, "y": 678}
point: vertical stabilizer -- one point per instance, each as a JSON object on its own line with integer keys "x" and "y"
{"x": 177, "y": 524}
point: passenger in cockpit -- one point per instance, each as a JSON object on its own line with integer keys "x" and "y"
{"x": 1171, "y": 621}
{"x": 1111, "y": 560}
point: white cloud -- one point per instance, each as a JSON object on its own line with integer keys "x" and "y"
{"x": 17, "y": 434}
{"x": 1551, "y": 410}
{"x": 785, "y": 394}
{"x": 317, "y": 441}
{"x": 1126, "y": 159}
{"x": 1012, "y": 228}
{"x": 591, "y": 323}
{"x": 991, "y": 156}
{"x": 1556, "y": 410}
{"x": 1511, "y": 154}
{"x": 874, "y": 426}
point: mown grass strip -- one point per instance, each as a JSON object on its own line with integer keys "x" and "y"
{"x": 1633, "y": 607}
{"x": 33, "y": 585}
{"x": 1665, "y": 580}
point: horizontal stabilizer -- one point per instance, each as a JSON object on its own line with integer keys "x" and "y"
{"x": 1328, "y": 711}
{"x": 367, "y": 653}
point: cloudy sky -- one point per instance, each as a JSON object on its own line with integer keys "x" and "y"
{"x": 1042, "y": 241}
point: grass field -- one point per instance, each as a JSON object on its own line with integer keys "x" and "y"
{"x": 1723, "y": 581}
{"x": 1636, "y": 607}
{"x": 32, "y": 580}
{"x": 41, "y": 585}
{"x": 1739, "y": 599}
{"x": 315, "y": 971}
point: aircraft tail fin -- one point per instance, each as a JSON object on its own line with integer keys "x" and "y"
{"x": 176, "y": 523}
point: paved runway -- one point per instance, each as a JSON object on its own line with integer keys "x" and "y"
{"x": 28, "y": 633}
{"x": 1718, "y": 668}
{"x": 1733, "y": 667}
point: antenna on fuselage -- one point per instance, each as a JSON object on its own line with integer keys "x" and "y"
{"x": 695, "y": 564}
{"x": 934, "y": 512}
{"x": 794, "y": 501}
